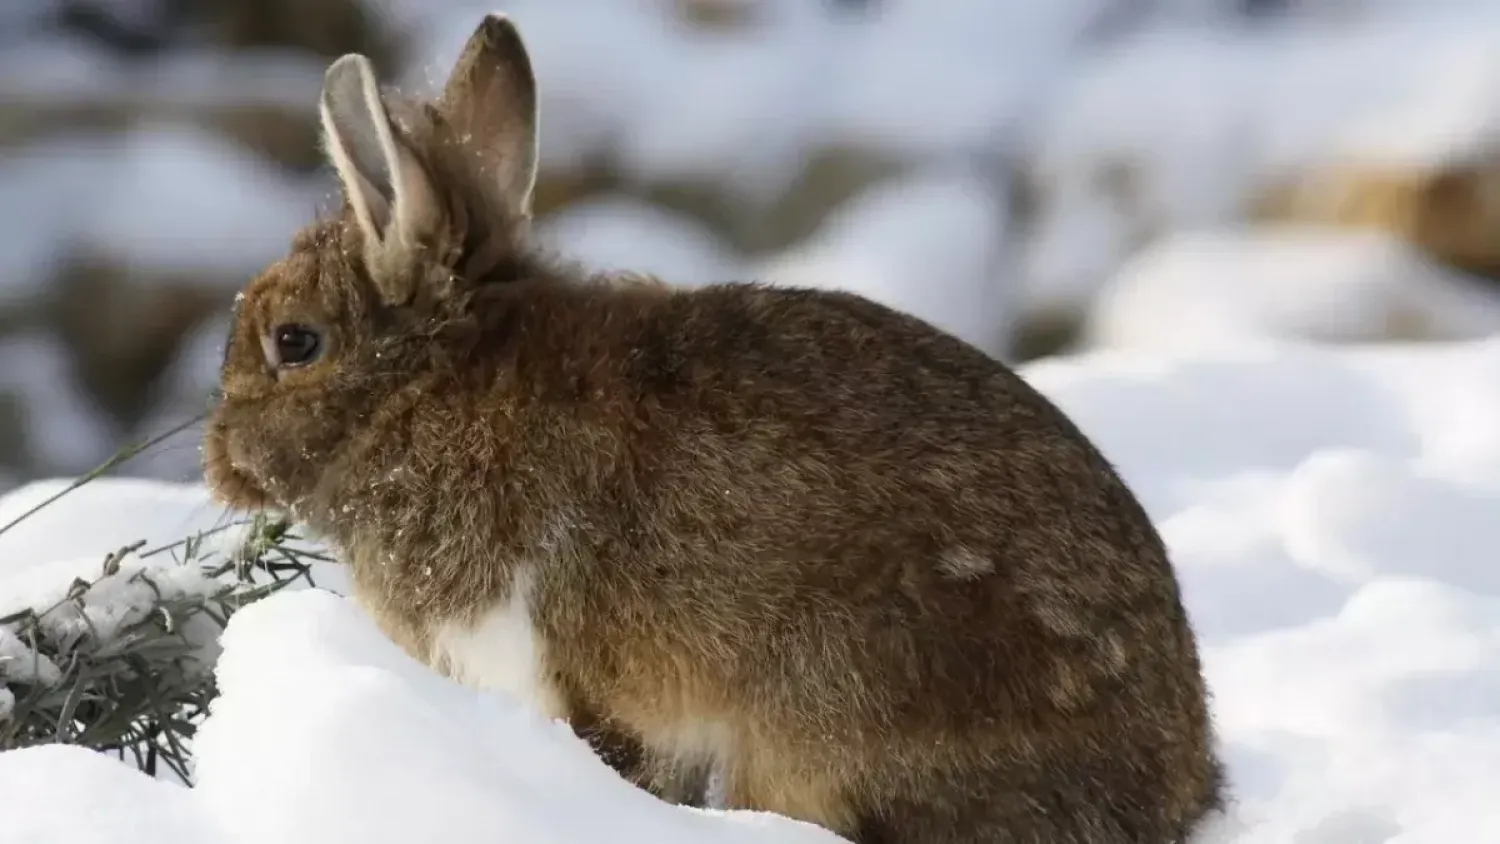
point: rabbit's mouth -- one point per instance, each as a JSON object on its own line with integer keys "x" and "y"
{"x": 227, "y": 483}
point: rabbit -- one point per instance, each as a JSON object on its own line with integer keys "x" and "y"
{"x": 796, "y": 544}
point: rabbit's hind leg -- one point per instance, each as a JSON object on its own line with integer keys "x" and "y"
{"x": 1006, "y": 808}
{"x": 684, "y": 785}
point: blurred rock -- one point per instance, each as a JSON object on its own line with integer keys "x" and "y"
{"x": 47, "y": 425}
{"x": 123, "y": 327}
{"x": 558, "y": 189}
{"x": 1450, "y": 211}
{"x": 717, "y": 14}
{"x": 280, "y": 134}
{"x": 289, "y": 137}
{"x": 138, "y": 28}
{"x": 14, "y": 451}
{"x": 828, "y": 179}
{"x": 327, "y": 28}
{"x": 183, "y": 393}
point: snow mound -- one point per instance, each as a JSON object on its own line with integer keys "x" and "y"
{"x": 1223, "y": 288}
{"x": 620, "y": 233}
{"x": 929, "y": 244}
{"x": 1330, "y": 511}
{"x": 70, "y": 795}
{"x": 1331, "y": 515}
{"x": 371, "y": 730}
{"x": 359, "y": 743}
{"x": 743, "y": 108}
{"x": 1180, "y": 126}
{"x": 156, "y": 197}
{"x": 211, "y": 205}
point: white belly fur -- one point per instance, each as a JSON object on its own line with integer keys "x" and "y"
{"x": 500, "y": 651}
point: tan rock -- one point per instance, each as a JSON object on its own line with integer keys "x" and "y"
{"x": 122, "y": 327}
{"x": 1450, "y": 211}
{"x": 716, "y": 14}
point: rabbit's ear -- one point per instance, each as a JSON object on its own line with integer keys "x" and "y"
{"x": 393, "y": 199}
{"x": 490, "y": 98}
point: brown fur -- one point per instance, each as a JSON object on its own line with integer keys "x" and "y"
{"x": 851, "y": 563}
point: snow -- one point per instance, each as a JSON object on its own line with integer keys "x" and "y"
{"x": 60, "y": 427}
{"x": 41, "y": 556}
{"x": 122, "y": 804}
{"x": 158, "y": 196}
{"x": 928, "y": 244}
{"x": 478, "y": 761}
{"x": 1330, "y": 511}
{"x": 95, "y": 519}
{"x": 213, "y": 206}
{"x": 621, "y": 233}
{"x": 1227, "y": 287}
{"x": 743, "y": 108}
{"x": 1180, "y": 126}
{"x": 63, "y": 70}
{"x": 967, "y": 72}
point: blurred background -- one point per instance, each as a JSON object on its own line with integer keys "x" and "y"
{"x": 1040, "y": 177}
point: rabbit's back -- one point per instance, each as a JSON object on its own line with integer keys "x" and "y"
{"x": 813, "y": 463}
{"x": 848, "y": 530}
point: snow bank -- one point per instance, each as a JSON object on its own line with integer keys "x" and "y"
{"x": 621, "y": 233}
{"x": 1331, "y": 512}
{"x": 929, "y": 244}
{"x": 71, "y": 537}
{"x": 377, "y": 736}
{"x": 69, "y": 795}
{"x": 1226, "y": 287}
{"x": 157, "y": 197}
{"x": 744, "y": 108}
{"x": 357, "y": 742}
{"x": 1178, "y": 126}
{"x": 211, "y": 205}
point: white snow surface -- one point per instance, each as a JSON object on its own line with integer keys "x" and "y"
{"x": 1225, "y": 287}
{"x": 618, "y": 233}
{"x": 929, "y": 244}
{"x": 156, "y": 197}
{"x": 1331, "y": 512}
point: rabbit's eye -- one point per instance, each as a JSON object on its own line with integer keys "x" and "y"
{"x": 295, "y": 345}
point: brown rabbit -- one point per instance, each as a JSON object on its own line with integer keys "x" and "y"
{"x": 853, "y": 567}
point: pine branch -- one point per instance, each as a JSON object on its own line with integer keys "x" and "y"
{"x": 141, "y": 691}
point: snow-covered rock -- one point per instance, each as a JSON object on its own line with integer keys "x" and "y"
{"x": 1228, "y": 287}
